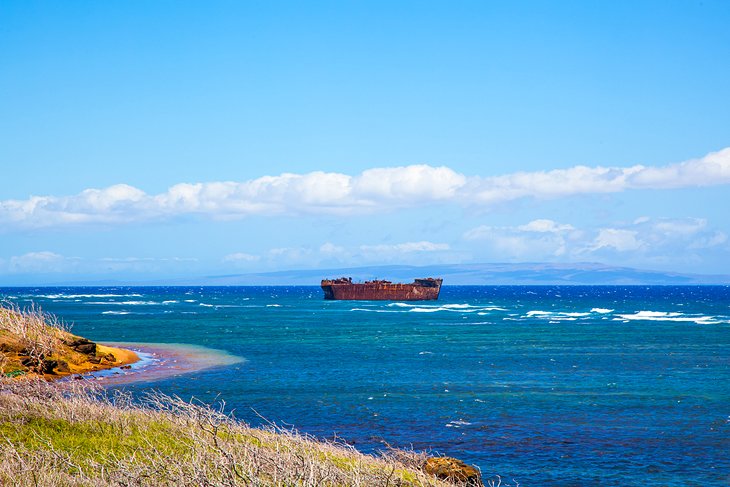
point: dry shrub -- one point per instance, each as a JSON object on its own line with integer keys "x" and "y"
{"x": 165, "y": 440}
{"x": 40, "y": 334}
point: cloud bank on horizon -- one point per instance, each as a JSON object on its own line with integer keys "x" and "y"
{"x": 373, "y": 190}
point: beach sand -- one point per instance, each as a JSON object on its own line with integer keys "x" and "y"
{"x": 122, "y": 358}
{"x": 157, "y": 361}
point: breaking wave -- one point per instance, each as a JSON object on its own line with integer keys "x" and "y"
{"x": 669, "y": 316}
{"x": 78, "y": 296}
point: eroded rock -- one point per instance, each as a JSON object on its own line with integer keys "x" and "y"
{"x": 82, "y": 345}
{"x": 447, "y": 468}
{"x": 48, "y": 366}
{"x": 62, "y": 367}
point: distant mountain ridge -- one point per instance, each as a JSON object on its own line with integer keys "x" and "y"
{"x": 470, "y": 274}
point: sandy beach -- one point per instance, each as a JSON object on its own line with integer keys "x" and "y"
{"x": 150, "y": 362}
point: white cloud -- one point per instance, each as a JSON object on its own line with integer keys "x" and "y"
{"x": 45, "y": 262}
{"x": 298, "y": 255}
{"x": 415, "y": 253}
{"x": 538, "y": 239}
{"x": 377, "y": 189}
{"x": 406, "y": 247}
{"x": 643, "y": 238}
{"x": 689, "y": 226}
{"x": 39, "y": 262}
{"x": 328, "y": 248}
{"x": 616, "y": 239}
{"x": 409, "y": 184}
{"x": 710, "y": 170}
{"x": 239, "y": 257}
{"x": 543, "y": 226}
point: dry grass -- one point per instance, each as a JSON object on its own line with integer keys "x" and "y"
{"x": 71, "y": 434}
{"x": 37, "y": 333}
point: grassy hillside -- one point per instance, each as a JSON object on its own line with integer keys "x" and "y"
{"x": 69, "y": 434}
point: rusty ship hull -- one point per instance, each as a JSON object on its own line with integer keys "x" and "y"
{"x": 344, "y": 289}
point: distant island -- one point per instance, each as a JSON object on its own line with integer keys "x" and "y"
{"x": 480, "y": 274}
{"x": 469, "y": 274}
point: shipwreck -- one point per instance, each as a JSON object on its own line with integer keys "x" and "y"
{"x": 426, "y": 289}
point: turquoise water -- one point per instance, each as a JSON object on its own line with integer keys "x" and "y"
{"x": 545, "y": 385}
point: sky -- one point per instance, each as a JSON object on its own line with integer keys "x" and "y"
{"x": 152, "y": 140}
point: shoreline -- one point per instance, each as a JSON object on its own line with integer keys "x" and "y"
{"x": 158, "y": 361}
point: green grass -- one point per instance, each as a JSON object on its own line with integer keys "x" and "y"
{"x": 69, "y": 435}
{"x": 91, "y": 440}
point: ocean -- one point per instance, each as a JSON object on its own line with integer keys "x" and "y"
{"x": 542, "y": 385}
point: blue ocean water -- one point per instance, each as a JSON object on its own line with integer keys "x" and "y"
{"x": 572, "y": 385}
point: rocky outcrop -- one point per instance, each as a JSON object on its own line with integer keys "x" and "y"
{"x": 82, "y": 345}
{"x": 32, "y": 345}
{"x": 454, "y": 470}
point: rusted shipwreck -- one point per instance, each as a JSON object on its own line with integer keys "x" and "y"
{"x": 426, "y": 289}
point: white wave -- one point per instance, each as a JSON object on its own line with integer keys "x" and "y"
{"x": 667, "y": 316}
{"x": 190, "y": 300}
{"x": 601, "y": 310}
{"x": 425, "y": 353}
{"x": 374, "y": 310}
{"x": 115, "y": 312}
{"x": 453, "y": 307}
{"x": 554, "y": 316}
{"x": 124, "y": 303}
{"x": 76, "y": 296}
{"x": 171, "y": 301}
{"x": 273, "y": 306}
{"x": 207, "y": 305}
{"x": 457, "y": 424}
{"x": 427, "y": 310}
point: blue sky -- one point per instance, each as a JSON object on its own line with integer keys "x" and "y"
{"x": 152, "y": 140}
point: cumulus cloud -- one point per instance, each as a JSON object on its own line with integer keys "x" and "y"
{"x": 644, "y": 237}
{"x": 536, "y": 239}
{"x": 328, "y": 248}
{"x": 406, "y": 247}
{"x": 710, "y": 170}
{"x": 377, "y": 189}
{"x": 239, "y": 257}
{"x": 616, "y": 239}
{"x": 545, "y": 226}
{"x": 34, "y": 262}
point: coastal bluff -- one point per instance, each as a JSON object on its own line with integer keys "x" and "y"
{"x": 77, "y": 433}
{"x": 35, "y": 344}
